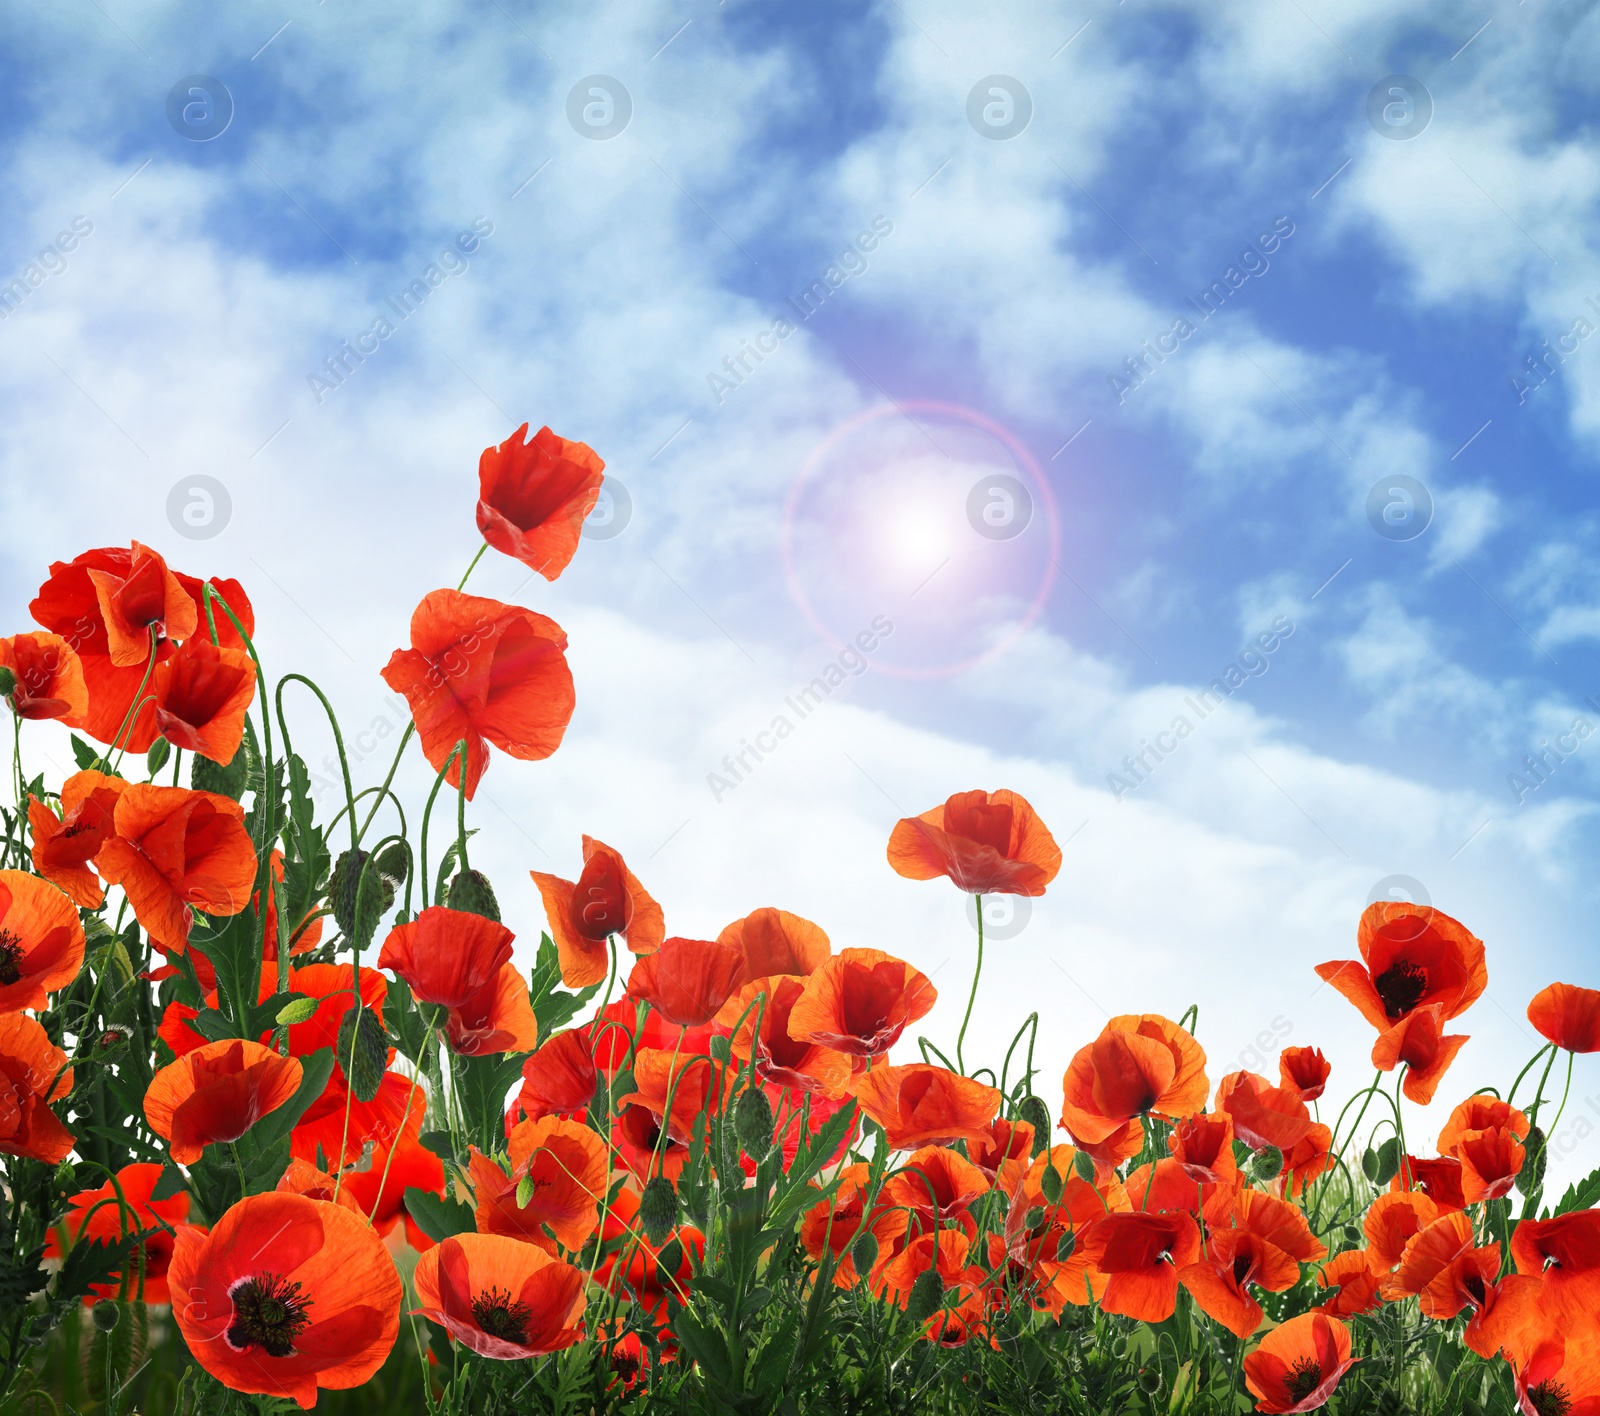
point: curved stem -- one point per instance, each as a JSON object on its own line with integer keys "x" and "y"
{"x": 133, "y": 709}
{"x": 972, "y": 997}
{"x": 458, "y": 752}
{"x": 338, "y": 741}
{"x": 394, "y": 766}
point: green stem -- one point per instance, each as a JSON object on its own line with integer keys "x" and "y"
{"x": 462, "y": 583}
{"x": 972, "y": 997}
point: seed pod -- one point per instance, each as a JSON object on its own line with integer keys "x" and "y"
{"x": 106, "y": 1316}
{"x": 658, "y": 1209}
{"x": 224, "y": 778}
{"x": 363, "y": 1052}
{"x": 927, "y": 1297}
{"x": 752, "y": 1122}
{"x": 1033, "y": 1218}
{"x": 1268, "y": 1163}
{"x": 471, "y": 893}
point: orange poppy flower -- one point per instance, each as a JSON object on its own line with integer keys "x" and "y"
{"x": 618, "y": 1033}
{"x": 1297, "y": 1367}
{"x": 1232, "y": 1262}
{"x": 1165, "y": 1185}
{"x": 1265, "y": 1115}
{"x": 777, "y": 942}
{"x": 33, "y": 1073}
{"x": 303, "y": 1178}
{"x": 500, "y": 1298}
{"x": 1140, "y": 1255}
{"x": 461, "y": 961}
{"x": 175, "y": 849}
{"x": 1481, "y": 1112}
{"x": 68, "y": 604}
{"x": 1412, "y": 956}
{"x": 935, "y": 1186}
{"x": 779, "y": 1059}
{"x": 1444, "y": 1268}
{"x": 835, "y": 1223}
{"x": 605, "y": 899}
{"x": 1203, "y": 1145}
{"x": 987, "y": 843}
{"x": 859, "y": 1001}
{"x": 285, "y": 1296}
{"x": 412, "y": 1165}
{"x": 1491, "y": 1160}
{"x": 1035, "y": 1227}
{"x": 1511, "y": 1319}
{"x": 95, "y": 1214}
{"x": 560, "y": 1078}
{"x": 1419, "y": 1041}
{"x": 340, "y": 1124}
{"x": 533, "y": 496}
{"x": 1438, "y": 1178}
{"x": 1355, "y": 1286}
{"x": 1568, "y": 1016}
{"x": 1561, "y": 1374}
{"x": 690, "y": 1081}
{"x": 64, "y": 845}
{"x": 640, "y": 1273}
{"x": 687, "y": 980}
{"x": 944, "y": 1252}
{"x": 216, "y": 1093}
{"x": 1392, "y": 1221}
{"x": 1002, "y": 1141}
{"x": 144, "y": 598}
{"x": 1139, "y": 1064}
{"x": 920, "y": 1105}
{"x": 568, "y": 1166}
{"x": 41, "y": 941}
{"x": 49, "y": 678}
{"x": 1565, "y": 1252}
{"x": 487, "y": 673}
{"x": 202, "y": 693}
{"x": 1305, "y": 1070}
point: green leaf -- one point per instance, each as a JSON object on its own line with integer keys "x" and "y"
{"x": 87, "y": 757}
{"x": 316, "y": 1069}
{"x": 440, "y": 1143}
{"x": 408, "y": 1030}
{"x": 363, "y": 1051}
{"x": 553, "y": 1006}
{"x": 212, "y": 1024}
{"x": 1581, "y": 1195}
{"x": 437, "y": 1217}
{"x": 92, "y": 1261}
{"x": 169, "y": 1183}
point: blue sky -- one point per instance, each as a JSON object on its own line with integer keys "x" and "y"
{"x": 1227, "y": 491}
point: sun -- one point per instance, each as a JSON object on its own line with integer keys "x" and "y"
{"x": 917, "y": 538}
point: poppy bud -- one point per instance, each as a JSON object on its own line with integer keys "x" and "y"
{"x": 106, "y": 1316}
{"x": 658, "y": 1209}
{"x": 721, "y": 1048}
{"x": 1050, "y": 1182}
{"x": 864, "y": 1253}
{"x": 667, "y": 1262}
{"x": 1036, "y": 1114}
{"x": 8, "y": 682}
{"x": 156, "y": 758}
{"x": 1084, "y": 1165}
{"x": 1065, "y": 1245}
{"x": 394, "y": 860}
{"x": 752, "y": 1122}
{"x": 297, "y": 1010}
{"x": 524, "y": 1191}
{"x": 1531, "y": 1179}
{"x": 471, "y": 893}
{"x": 1034, "y": 1217}
{"x": 1150, "y": 1380}
{"x": 363, "y": 1051}
{"x": 927, "y": 1297}
{"x": 1268, "y": 1162}
{"x": 358, "y": 919}
{"x": 225, "y": 779}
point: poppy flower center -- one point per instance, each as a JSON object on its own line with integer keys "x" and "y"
{"x": 269, "y": 1312}
{"x": 1242, "y": 1264}
{"x": 10, "y": 957}
{"x": 1302, "y": 1379}
{"x": 626, "y": 1366}
{"x": 494, "y": 1311}
{"x": 1550, "y": 1399}
{"x": 1400, "y": 986}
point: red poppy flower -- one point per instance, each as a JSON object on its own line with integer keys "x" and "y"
{"x": 835, "y": 1223}
{"x": 303, "y": 1178}
{"x": 638, "y": 1269}
{"x": 410, "y": 1166}
{"x": 605, "y": 899}
{"x": 1439, "y": 1178}
{"x": 1491, "y": 1160}
{"x": 286, "y": 1295}
{"x": 779, "y": 1059}
{"x": 1413, "y": 957}
{"x": 487, "y": 673}
{"x": 935, "y": 1186}
{"x": 461, "y": 961}
{"x": 68, "y": 604}
{"x": 1165, "y": 1185}
{"x": 859, "y": 1001}
{"x": 41, "y": 941}
{"x": 533, "y": 496}
{"x": 1140, "y": 1255}
{"x": 64, "y": 845}
{"x": 340, "y": 1124}
{"x": 651, "y": 1141}
{"x": 1297, "y": 1367}
{"x": 95, "y": 1214}
{"x": 1036, "y": 1225}
{"x": 1480, "y": 1112}
{"x": 944, "y": 1252}
{"x": 1444, "y": 1268}
{"x": 687, "y": 980}
{"x": 332, "y": 986}
{"x": 49, "y": 678}
{"x": 1392, "y": 1221}
{"x": 1232, "y": 1262}
{"x": 1565, "y": 1251}
{"x": 500, "y": 1298}
{"x": 1419, "y": 1041}
{"x": 1264, "y": 1115}
{"x": 920, "y": 1105}
{"x": 560, "y": 1078}
{"x": 1568, "y": 1016}
{"x": 216, "y": 1093}
{"x": 618, "y": 1033}
{"x": 987, "y": 843}
{"x": 777, "y": 942}
{"x": 1203, "y": 1145}
{"x": 567, "y": 1165}
{"x": 173, "y": 849}
{"x": 1003, "y": 1141}
{"x": 1305, "y": 1070}
{"x": 1139, "y": 1064}
{"x": 33, "y": 1073}
{"x": 1355, "y": 1286}
{"x": 202, "y": 693}
{"x": 1561, "y": 1375}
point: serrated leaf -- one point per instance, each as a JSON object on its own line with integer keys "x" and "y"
{"x": 1581, "y": 1195}
{"x": 92, "y": 1261}
{"x": 406, "y": 1026}
{"x": 553, "y": 1006}
{"x": 363, "y": 1051}
{"x": 436, "y": 1216}
{"x": 87, "y": 757}
{"x": 316, "y": 1069}
{"x": 168, "y": 1183}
